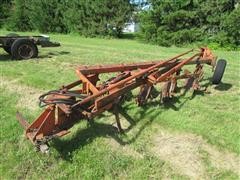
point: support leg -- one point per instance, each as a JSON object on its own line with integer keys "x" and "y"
{"x": 116, "y": 113}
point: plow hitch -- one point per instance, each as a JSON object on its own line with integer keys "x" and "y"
{"x": 90, "y": 96}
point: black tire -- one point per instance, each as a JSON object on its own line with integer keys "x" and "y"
{"x": 219, "y": 71}
{"x": 24, "y": 49}
{"x": 7, "y": 47}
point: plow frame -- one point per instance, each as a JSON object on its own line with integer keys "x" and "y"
{"x": 88, "y": 96}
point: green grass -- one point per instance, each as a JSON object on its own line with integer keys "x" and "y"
{"x": 84, "y": 154}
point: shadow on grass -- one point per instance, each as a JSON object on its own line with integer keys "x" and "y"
{"x": 5, "y": 57}
{"x": 147, "y": 114}
{"x": 220, "y": 87}
{"x": 129, "y": 36}
{"x": 85, "y": 136}
{"x": 223, "y": 86}
{"x": 52, "y": 54}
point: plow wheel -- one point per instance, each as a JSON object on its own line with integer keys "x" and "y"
{"x": 219, "y": 71}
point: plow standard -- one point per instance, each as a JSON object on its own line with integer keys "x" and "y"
{"x": 89, "y": 96}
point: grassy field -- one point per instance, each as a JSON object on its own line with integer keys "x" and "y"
{"x": 191, "y": 138}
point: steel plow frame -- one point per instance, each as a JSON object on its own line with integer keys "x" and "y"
{"x": 89, "y": 96}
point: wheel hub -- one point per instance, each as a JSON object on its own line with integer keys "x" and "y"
{"x": 25, "y": 51}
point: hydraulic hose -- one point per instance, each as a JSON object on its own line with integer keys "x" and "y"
{"x": 44, "y": 102}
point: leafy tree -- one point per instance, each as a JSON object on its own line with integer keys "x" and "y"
{"x": 164, "y": 22}
{"x": 186, "y": 21}
{"x": 230, "y": 27}
{"x": 4, "y": 11}
{"x": 91, "y": 18}
{"x": 20, "y": 16}
{"x": 47, "y": 15}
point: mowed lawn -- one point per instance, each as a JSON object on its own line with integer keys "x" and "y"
{"x": 192, "y": 137}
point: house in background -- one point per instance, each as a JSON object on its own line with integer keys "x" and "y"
{"x": 131, "y": 27}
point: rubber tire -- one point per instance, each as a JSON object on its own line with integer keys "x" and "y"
{"x": 219, "y": 71}
{"x": 8, "y": 47}
{"x": 17, "y": 43}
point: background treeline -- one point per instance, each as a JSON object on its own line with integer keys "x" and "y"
{"x": 162, "y": 22}
{"x": 181, "y": 22}
{"x": 87, "y": 17}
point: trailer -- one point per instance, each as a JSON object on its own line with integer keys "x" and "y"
{"x": 24, "y": 47}
{"x": 89, "y": 96}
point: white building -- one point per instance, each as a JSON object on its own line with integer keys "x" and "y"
{"x": 131, "y": 27}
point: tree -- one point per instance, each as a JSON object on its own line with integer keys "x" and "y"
{"x": 186, "y": 21}
{"x": 4, "y": 9}
{"x": 91, "y": 18}
{"x": 87, "y": 17}
{"x": 20, "y": 16}
{"x": 170, "y": 22}
{"x": 230, "y": 29}
{"x": 47, "y": 15}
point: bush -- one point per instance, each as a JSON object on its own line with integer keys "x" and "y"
{"x": 231, "y": 27}
{"x": 186, "y": 36}
{"x": 182, "y": 22}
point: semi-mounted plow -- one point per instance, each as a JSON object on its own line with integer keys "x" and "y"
{"x": 89, "y": 96}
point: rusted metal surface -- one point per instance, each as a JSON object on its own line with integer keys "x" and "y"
{"x": 89, "y": 96}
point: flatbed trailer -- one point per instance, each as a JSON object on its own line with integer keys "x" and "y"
{"x": 25, "y": 47}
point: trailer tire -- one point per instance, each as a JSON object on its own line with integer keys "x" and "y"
{"x": 24, "y": 49}
{"x": 219, "y": 71}
{"x": 9, "y": 42}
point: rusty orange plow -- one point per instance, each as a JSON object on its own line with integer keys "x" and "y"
{"x": 89, "y": 96}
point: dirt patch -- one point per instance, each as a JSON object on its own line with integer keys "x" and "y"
{"x": 125, "y": 149}
{"x": 223, "y": 160}
{"x": 28, "y": 96}
{"x": 182, "y": 151}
